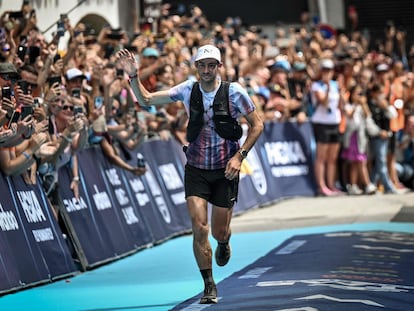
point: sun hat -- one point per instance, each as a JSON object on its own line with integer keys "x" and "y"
{"x": 8, "y": 68}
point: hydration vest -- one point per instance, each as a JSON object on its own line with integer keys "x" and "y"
{"x": 224, "y": 124}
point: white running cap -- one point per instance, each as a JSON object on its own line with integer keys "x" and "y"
{"x": 208, "y": 51}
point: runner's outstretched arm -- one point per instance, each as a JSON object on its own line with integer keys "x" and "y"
{"x": 127, "y": 60}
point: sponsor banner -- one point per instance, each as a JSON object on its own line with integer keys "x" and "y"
{"x": 166, "y": 209}
{"x": 118, "y": 183}
{"x": 253, "y": 186}
{"x": 101, "y": 211}
{"x": 169, "y": 171}
{"x": 85, "y": 221}
{"x": 32, "y": 248}
{"x": 286, "y": 155}
{"x": 370, "y": 270}
{"x": 37, "y": 216}
{"x": 19, "y": 264}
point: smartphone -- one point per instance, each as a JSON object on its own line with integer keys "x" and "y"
{"x": 56, "y": 58}
{"x": 14, "y": 118}
{"x": 119, "y": 72}
{"x": 76, "y": 92}
{"x": 26, "y": 111}
{"x": 6, "y": 92}
{"x": 114, "y": 35}
{"x": 16, "y": 14}
{"x": 24, "y": 85}
{"x": 34, "y": 53}
{"x": 36, "y": 102}
{"x": 99, "y": 101}
{"x": 54, "y": 79}
{"x": 77, "y": 110}
{"x": 160, "y": 44}
{"x": 21, "y": 52}
{"x": 61, "y": 28}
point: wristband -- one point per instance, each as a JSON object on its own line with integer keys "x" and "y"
{"x": 69, "y": 140}
{"x": 133, "y": 76}
{"x": 75, "y": 179}
{"x": 26, "y": 155}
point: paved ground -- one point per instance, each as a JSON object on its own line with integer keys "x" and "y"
{"x": 321, "y": 211}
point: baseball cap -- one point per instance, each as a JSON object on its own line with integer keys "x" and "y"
{"x": 299, "y": 66}
{"x": 8, "y": 68}
{"x": 150, "y": 52}
{"x": 208, "y": 51}
{"x": 281, "y": 65}
{"x": 264, "y": 92}
{"x": 382, "y": 67}
{"x": 73, "y": 73}
{"x": 327, "y": 64}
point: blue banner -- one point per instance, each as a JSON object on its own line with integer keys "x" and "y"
{"x": 168, "y": 169}
{"x": 286, "y": 155}
{"x": 166, "y": 210}
{"x": 32, "y": 246}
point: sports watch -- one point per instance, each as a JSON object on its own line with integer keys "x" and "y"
{"x": 243, "y": 153}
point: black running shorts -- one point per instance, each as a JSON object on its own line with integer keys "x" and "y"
{"x": 211, "y": 185}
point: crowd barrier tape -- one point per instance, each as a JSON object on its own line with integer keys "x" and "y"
{"x": 119, "y": 213}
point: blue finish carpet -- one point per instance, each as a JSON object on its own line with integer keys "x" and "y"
{"x": 345, "y": 267}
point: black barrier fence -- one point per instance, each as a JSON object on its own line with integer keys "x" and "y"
{"x": 119, "y": 213}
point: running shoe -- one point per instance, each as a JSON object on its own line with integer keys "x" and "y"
{"x": 223, "y": 253}
{"x": 210, "y": 294}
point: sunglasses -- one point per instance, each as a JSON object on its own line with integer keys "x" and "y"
{"x": 67, "y": 107}
{"x": 7, "y": 77}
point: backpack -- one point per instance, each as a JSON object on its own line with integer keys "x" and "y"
{"x": 224, "y": 124}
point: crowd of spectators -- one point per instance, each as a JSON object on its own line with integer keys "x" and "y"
{"x": 57, "y": 101}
